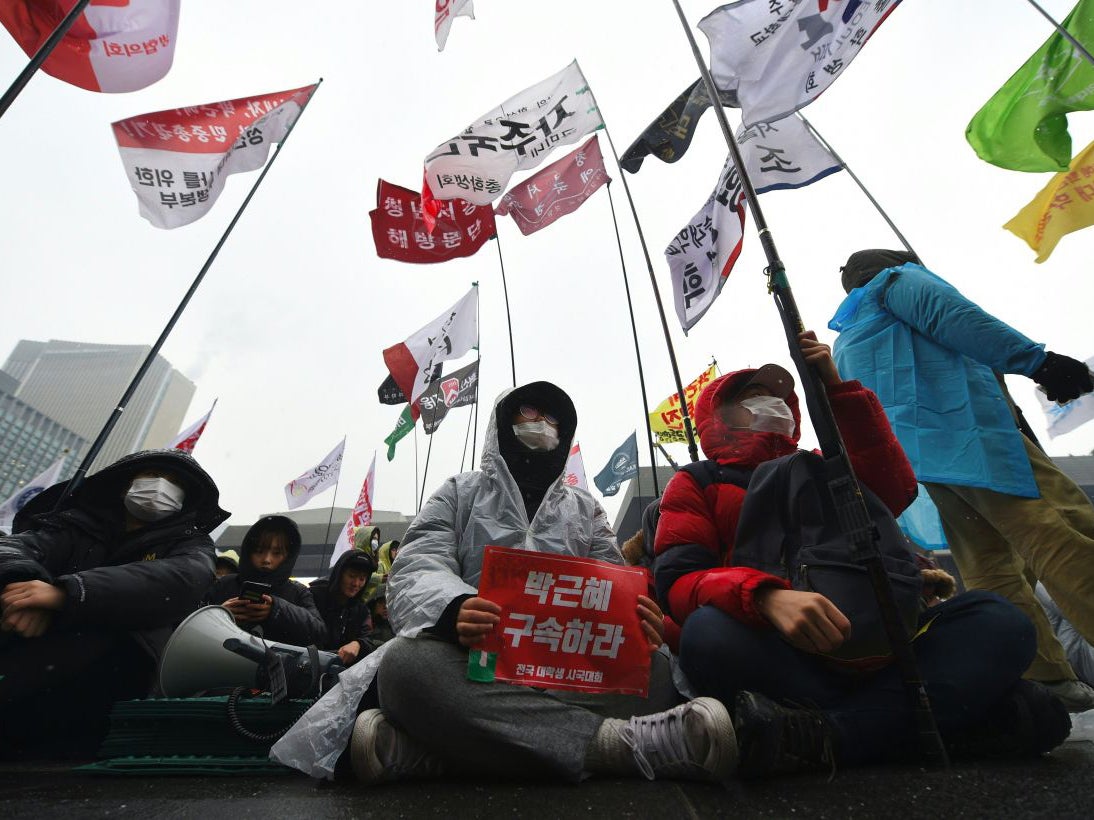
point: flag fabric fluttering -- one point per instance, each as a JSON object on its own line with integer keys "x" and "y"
{"x": 780, "y": 56}
{"x": 403, "y": 426}
{"x": 188, "y": 438}
{"x": 666, "y": 420}
{"x": 21, "y": 497}
{"x": 390, "y": 393}
{"x": 702, "y": 255}
{"x": 784, "y": 154}
{"x": 575, "y": 469}
{"x": 458, "y": 389}
{"x": 669, "y": 136}
{"x": 360, "y": 516}
{"x": 445, "y": 11}
{"x": 318, "y": 479}
{"x": 1023, "y": 127}
{"x": 413, "y": 363}
{"x": 519, "y": 134}
{"x": 177, "y": 160}
{"x": 1063, "y": 418}
{"x": 400, "y": 232}
{"x": 559, "y": 189}
{"x": 622, "y": 465}
{"x": 1063, "y": 206}
{"x": 114, "y": 46}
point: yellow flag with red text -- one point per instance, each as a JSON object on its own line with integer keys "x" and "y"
{"x": 666, "y": 420}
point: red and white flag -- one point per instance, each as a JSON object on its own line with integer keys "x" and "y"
{"x": 303, "y": 488}
{"x": 114, "y": 46}
{"x": 400, "y": 232}
{"x": 361, "y": 515}
{"x": 780, "y": 56}
{"x": 188, "y": 438}
{"x": 559, "y": 189}
{"x": 519, "y": 134}
{"x": 177, "y": 160}
{"x": 704, "y": 252}
{"x": 413, "y": 363}
{"x": 575, "y": 469}
{"x": 445, "y": 11}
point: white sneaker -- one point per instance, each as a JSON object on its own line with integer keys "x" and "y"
{"x": 693, "y": 741}
{"x": 1076, "y": 695}
{"x": 380, "y": 752}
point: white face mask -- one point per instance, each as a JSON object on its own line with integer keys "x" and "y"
{"x": 536, "y": 435}
{"x": 769, "y": 415}
{"x": 151, "y": 499}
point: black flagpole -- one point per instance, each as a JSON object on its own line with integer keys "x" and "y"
{"x": 428, "y": 451}
{"x": 41, "y": 55}
{"x": 841, "y": 483}
{"x": 478, "y": 357}
{"x": 78, "y": 479}
{"x": 508, "y": 317}
{"x": 330, "y": 518}
{"x": 1086, "y": 55}
{"x": 415, "y": 423}
{"x": 637, "y": 352}
{"x": 467, "y": 436}
{"x": 689, "y": 433}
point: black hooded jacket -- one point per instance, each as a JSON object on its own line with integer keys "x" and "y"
{"x": 346, "y": 620}
{"x": 145, "y": 580}
{"x": 293, "y": 618}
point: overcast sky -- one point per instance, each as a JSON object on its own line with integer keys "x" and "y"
{"x": 288, "y": 329}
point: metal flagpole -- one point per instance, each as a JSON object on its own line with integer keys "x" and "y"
{"x": 637, "y": 352}
{"x": 508, "y": 317}
{"x": 847, "y": 168}
{"x": 330, "y": 520}
{"x": 467, "y": 435}
{"x": 1086, "y": 55}
{"x": 478, "y": 356}
{"x": 78, "y": 479}
{"x": 840, "y": 481}
{"x": 689, "y": 433}
{"x": 41, "y": 55}
{"x": 429, "y": 449}
{"x": 416, "y": 507}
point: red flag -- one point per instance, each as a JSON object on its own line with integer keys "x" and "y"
{"x": 557, "y": 190}
{"x": 114, "y": 46}
{"x": 188, "y": 438}
{"x": 401, "y": 231}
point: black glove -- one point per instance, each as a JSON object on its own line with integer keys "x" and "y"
{"x": 1063, "y": 378}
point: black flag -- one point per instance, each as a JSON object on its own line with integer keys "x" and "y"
{"x": 457, "y": 389}
{"x": 390, "y": 393}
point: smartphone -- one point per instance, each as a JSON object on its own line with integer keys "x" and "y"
{"x": 253, "y": 591}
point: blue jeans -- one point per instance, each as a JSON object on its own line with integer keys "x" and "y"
{"x": 973, "y": 653}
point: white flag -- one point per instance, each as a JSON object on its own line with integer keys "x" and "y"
{"x": 575, "y": 469}
{"x": 25, "y": 493}
{"x": 476, "y": 164}
{"x": 783, "y": 154}
{"x": 304, "y": 488}
{"x": 703, "y": 253}
{"x": 412, "y": 363}
{"x": 360, "y": 517}
{"x": 188, "y": 438}
{"x": 1063, "y": 418}
{"x": 445, "y": 11}
{"x": 780, "y": 56}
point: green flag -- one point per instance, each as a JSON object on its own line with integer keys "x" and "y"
{"x": 403, "y": 426}
{"x": 1024, "y": 126}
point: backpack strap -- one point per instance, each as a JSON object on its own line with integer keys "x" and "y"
{"x": 708, "y": 472}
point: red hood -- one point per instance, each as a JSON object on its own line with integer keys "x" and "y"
{"x": 741, "y": 448}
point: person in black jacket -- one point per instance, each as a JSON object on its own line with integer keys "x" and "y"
{"x": 338, "y": 599}
{"x": 268, "y": 554}
{"x": 89, "y": 594}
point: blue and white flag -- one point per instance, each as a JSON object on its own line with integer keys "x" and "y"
{"x": 784, "y": 154}
{"x": 25, "y": 493}
{"x": 621, "y": 466}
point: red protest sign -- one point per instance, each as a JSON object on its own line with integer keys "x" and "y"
{"x": 566, "y": 623}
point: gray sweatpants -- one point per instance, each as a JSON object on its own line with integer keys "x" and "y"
{"x": 499, "y": 728}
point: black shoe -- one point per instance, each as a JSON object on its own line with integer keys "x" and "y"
{"x": 1029, "y": 721}
{"x": 773, "y": 739}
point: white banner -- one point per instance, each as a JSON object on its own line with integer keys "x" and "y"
{"x": 476, "y": 164}
{"x": 360, "y": 517}
{"x": 445, "y": 11}
{"x": 24, "y": 494}
{"x": 703, "y": 253}
{"x": 1063, "y": 418}
{"x": 303, "y": 488}
{"x": 575, "y": 469}
{"x": 779, "y": 56}
{"x": 783, "y": 154}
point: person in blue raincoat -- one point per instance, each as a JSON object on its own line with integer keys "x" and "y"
{"x": 934, "y": 359}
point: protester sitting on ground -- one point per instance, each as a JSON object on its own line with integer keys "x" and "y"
{"x": 759, "y": 646}
{"x": 1079, "y": 651}
{"x": 227, "y": 562}
{"x": 90, "y": 594}
{"x": 382, "y": 630}
{"x": 338, "y": 600}
{"x": 262, "y": 595}
{"x": 432, "y": 718}
{"x": 935, "y": 361}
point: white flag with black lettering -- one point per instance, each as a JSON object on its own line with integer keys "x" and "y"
{"x": 784, "y": 154}
{"x": 303, "y": 488}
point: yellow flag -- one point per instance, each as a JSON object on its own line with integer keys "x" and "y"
{"x": 667, "y": 422}
{"x": 1066, "y": 204}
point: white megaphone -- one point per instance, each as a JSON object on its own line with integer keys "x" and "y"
{"x": 208, "y": 651}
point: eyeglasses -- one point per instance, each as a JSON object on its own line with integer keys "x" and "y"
{"x": 532, "y": 413}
